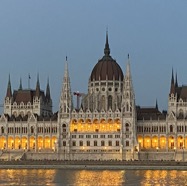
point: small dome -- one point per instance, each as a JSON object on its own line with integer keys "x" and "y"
{"x": 106, "y": 68}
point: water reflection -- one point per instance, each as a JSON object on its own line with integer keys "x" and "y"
{"x": 26, "y": 177}
{"x": 99, "y": 178}
{"x": 55, "y": 177}
{"x": 163, "y": 177}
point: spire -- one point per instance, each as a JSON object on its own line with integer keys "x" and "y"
{"x": 107, "y": 49}
{"x": 176, "y": 81}
{"x": 48, "y": 95}
{"x": 66, "y": 73}
{"x": 20, "y": 84}
{"x": 172, "y": 87}
{"x": 9, "y": 90}
{"x": 38, "y": 87}
{"x": 128, "y": 71}
{"x": 156, "y": 105}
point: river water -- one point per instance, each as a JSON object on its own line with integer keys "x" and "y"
{"x": 60, "y": 177}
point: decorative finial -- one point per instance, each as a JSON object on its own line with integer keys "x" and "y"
{"x": 107, "y": 49}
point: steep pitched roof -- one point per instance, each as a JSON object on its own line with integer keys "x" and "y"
{"x": 147, "y": 113}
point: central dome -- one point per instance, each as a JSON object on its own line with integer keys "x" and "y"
{"x": 106, "y": 68}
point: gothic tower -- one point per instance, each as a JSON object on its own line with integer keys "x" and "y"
{"x": 128, "y": 115}
{"x": 8, "y": 99}
{"x": 65, "y": 109}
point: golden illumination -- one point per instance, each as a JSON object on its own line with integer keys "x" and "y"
{"x": 101, "y": 126}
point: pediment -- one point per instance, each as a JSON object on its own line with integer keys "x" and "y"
{"x": 32, "y": 118}
{"x": 3, "y": 118}
{"x": 171, "y": 116}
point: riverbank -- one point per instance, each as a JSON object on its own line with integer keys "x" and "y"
{"x": 96, "y": 165}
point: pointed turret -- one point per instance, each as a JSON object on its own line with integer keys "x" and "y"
{"x": 176, "y": 81}
{"x": 107, "y": 49}
{"x": 20, "y": 84}
{"x": 38, "y": 87}
{"x": 172, "y": 87}
{"x": 48, "y": 94}
{"x": 66, "y": 97}
{"x": 9, "y": 90}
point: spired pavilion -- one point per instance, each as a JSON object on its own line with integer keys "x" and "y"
{"x": 108, "y": 125}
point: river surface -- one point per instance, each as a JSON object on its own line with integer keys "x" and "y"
{"x": 58, "y": 177}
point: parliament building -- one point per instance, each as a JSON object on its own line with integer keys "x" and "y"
{"x": 107, "y": 125}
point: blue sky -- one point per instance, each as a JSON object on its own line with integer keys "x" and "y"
{"x": 36, "y": 36}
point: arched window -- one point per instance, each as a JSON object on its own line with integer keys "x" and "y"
{"x": 127, "y": 143}
{"x": 109, "y": 143}
{"x": 95, "y": 143}
{"x": 64, "y": 127}
{"x": 171, "y": 128}
{"x": 127, "y": 127}
{"x": 88, "y": 143}
{"x": 32, "y": 130}
{"x": 109, "y": 102}
{"x": 117, "y": 143}
{"x": 74, "y": 143}
{"x": 102, "y": 143}
{"x": 2, "y": 130}
{"x": 80, "y": 143}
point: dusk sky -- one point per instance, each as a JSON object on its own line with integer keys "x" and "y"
{"x": 36, "y": 36}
